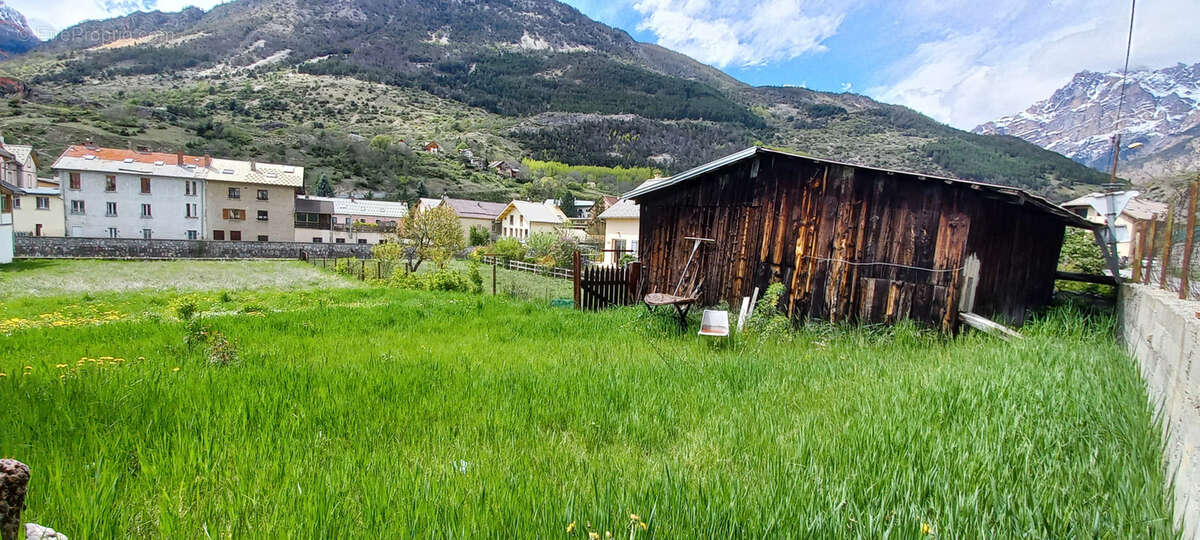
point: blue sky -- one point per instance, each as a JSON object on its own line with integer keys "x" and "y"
{"x": 963, "y": 62}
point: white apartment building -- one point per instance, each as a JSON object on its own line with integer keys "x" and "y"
{"x": 111, "y": 193}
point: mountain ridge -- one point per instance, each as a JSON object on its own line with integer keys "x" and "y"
{"x": 16, "y": 36}
{"x": 551, "y": 83}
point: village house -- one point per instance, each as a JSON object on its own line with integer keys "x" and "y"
{"x": 251, "y": 201}
{"x": 111, "y": 193}
{"x": 848, "y": 242}
{"x": 621, "y": 229}
{"x": 481, "y": 214}
{"x": 519, "y": 219}
{"x": 426, "y": 203}
{"x": 505, "y": 168}
{"x": 18, "y": 166}
{"x": 1137, "y": 213}
{"x": 6, "y": 223}
{"x": 346, "y": 220}
{"x": 433, "y": 148}
{"x": 38, "y": 211}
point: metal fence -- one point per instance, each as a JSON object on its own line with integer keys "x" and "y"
{"x": 1164, "y": 250}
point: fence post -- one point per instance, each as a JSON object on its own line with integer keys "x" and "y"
{"x": 1139, "y": 238}
{"x": 362, "y": 270}
{"x": 1166, "y": 254}
{"x": 632, "y": 277}
{"x": 493, "y": 275}
{"x": 575, "y": 266}
{"x": 1190, "y": 242}
{"x": 1150, "y": 249}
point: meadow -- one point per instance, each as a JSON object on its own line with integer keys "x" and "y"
{"x": 359, "y": 410}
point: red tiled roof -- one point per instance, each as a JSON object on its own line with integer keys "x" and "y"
{"x": 113, "y": 154}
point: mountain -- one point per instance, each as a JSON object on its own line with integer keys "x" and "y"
{"x": 312, "y": 81}
{"x": 16, "y": 36}
{"x": 1161, "y": 111}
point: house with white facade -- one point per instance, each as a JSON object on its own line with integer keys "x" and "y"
{"x": 112, "y": 193}
{"x": 523, "y": 218}
{"x": 18, "y": 166}
{"x": 38, "y": 211}
{"x": 346, "y": 220}
{"x": 1137, "y": 212}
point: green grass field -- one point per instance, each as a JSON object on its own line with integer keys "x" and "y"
{"x": 364, "y": 411}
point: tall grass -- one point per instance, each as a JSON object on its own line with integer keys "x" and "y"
{"x": 425, "y": 415}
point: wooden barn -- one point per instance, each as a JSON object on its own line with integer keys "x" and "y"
{"x": 852, "y": 243}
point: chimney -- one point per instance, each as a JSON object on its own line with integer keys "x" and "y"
{"x": 207, "y": 161}
{"x": 253, "y": 166}
{"x": 179, "y": 157}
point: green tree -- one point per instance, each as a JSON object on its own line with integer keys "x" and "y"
{"x": 479, "y": 235}
{"x": 433, "y": 235}
{"x": 540, "y": 244}
{"x": 1081, "y": 254}
{"x": 324, "y": 188}
{"x": 381, "y": 143}
{"x": 566, "y": 202}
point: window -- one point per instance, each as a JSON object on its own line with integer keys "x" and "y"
{"x": 191, "y": 210}
{"x": 146, "y": 210}
{"x": 76, "y": 207}
{"x": 233, "y": 213}
{"x": 262, "y": 238}
{"x": 235, "y": 235}
{"x": 316, "y": 239}
{"x": 362, "y": 240}
{"x": 306, "y": 217}
{"x": 16, "y": 203}
{"x": 262, "y": 215}
{"x": 618, "y": 245}
{"x": 75, "y": 181}
{"x": 218, "y": 235}
{"x": 112, "y": 232}
{"x": 146, "y": 186}
{"x": 43, "y": 203}
{"x": 146, "y": 234}
{"x": 235, "y": 193}
{"x": 262, "y": 194}
{"x": 340, "y": 241}
{"x": 192, "y": 235}
{"x": 379, "y": 222}
{"x": 1081, "y": 211}
{"x": 110, "y": 209}
{"x": 522, "y": 221}
{"x": 347, "y": 221}
{"x": 189, "y": 187}
{"x": 510, "y": 219}
{"x": 110, "y": 183}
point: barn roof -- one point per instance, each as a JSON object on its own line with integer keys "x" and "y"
{"x": 1013, "y": 195}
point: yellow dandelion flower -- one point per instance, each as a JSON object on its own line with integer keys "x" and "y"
{"x": 60, "y": 366}
{"x": 28, "y": 368}
{"x": 592, "y": 535}
{"x": 634, "y": 517}
{"x": 571, "y": 527}
{"x": 608, "y": 534}
{"x": 174, "y": 370}
{"x": 643, "y": 525}
{"x": 106, "y": 358}
{"x": 3, "y": 374}
{"x": 926, "y": 529}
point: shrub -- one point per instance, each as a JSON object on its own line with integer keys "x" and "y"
{"x": 479, "y": 235}
{"x": 768, "y": 323}
{"x": 540, "y": 244}
{"x": 509, "y": 248}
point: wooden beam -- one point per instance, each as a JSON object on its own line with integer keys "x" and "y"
{"x": 1139, "y": 239}
{"x": 1085, "y": 278}
{"x": 1166, "y": 254}
{"x": 1150, "y": 249}
{"x": 986, "y": 325}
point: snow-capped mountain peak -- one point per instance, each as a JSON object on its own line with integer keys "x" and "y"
{"x": 1161, "y": 111}
{"x": 16, "y": 36}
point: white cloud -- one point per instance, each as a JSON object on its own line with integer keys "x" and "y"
{"x": 979, "y": 68}
{"x": 740, "y": 32}
{"x": 47, "y": 18}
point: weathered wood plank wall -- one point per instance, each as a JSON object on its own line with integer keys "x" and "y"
{"x": 815, "y": 226}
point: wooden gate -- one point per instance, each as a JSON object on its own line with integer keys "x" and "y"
{"x": 599, "y": 287}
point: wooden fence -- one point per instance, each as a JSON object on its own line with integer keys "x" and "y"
{"x": 552, "y": 271}
{"x": 599, "y": 287}
{"x": 1164, "y": 247}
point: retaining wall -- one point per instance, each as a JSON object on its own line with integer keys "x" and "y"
{"x": 1163, "y": 332}
{"x": 45, "y": 247}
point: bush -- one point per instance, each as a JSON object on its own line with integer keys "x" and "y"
{"x": 479, "y": 236}
{"x": 439, "y": 280}
{"x": 540, "y": 244}
{"x": 768, "y": 323}
{"x": 509, "y": 248}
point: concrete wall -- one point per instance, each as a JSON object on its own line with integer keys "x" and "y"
{"x": 1163, "y": 332}
{"x": 121, "y": 248}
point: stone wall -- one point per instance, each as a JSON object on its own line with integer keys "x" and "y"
{"x": 29, "y": 247}
{"x": 1163, "y": 332}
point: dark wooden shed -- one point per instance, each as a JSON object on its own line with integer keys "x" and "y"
{"x": 853, "y": 243}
